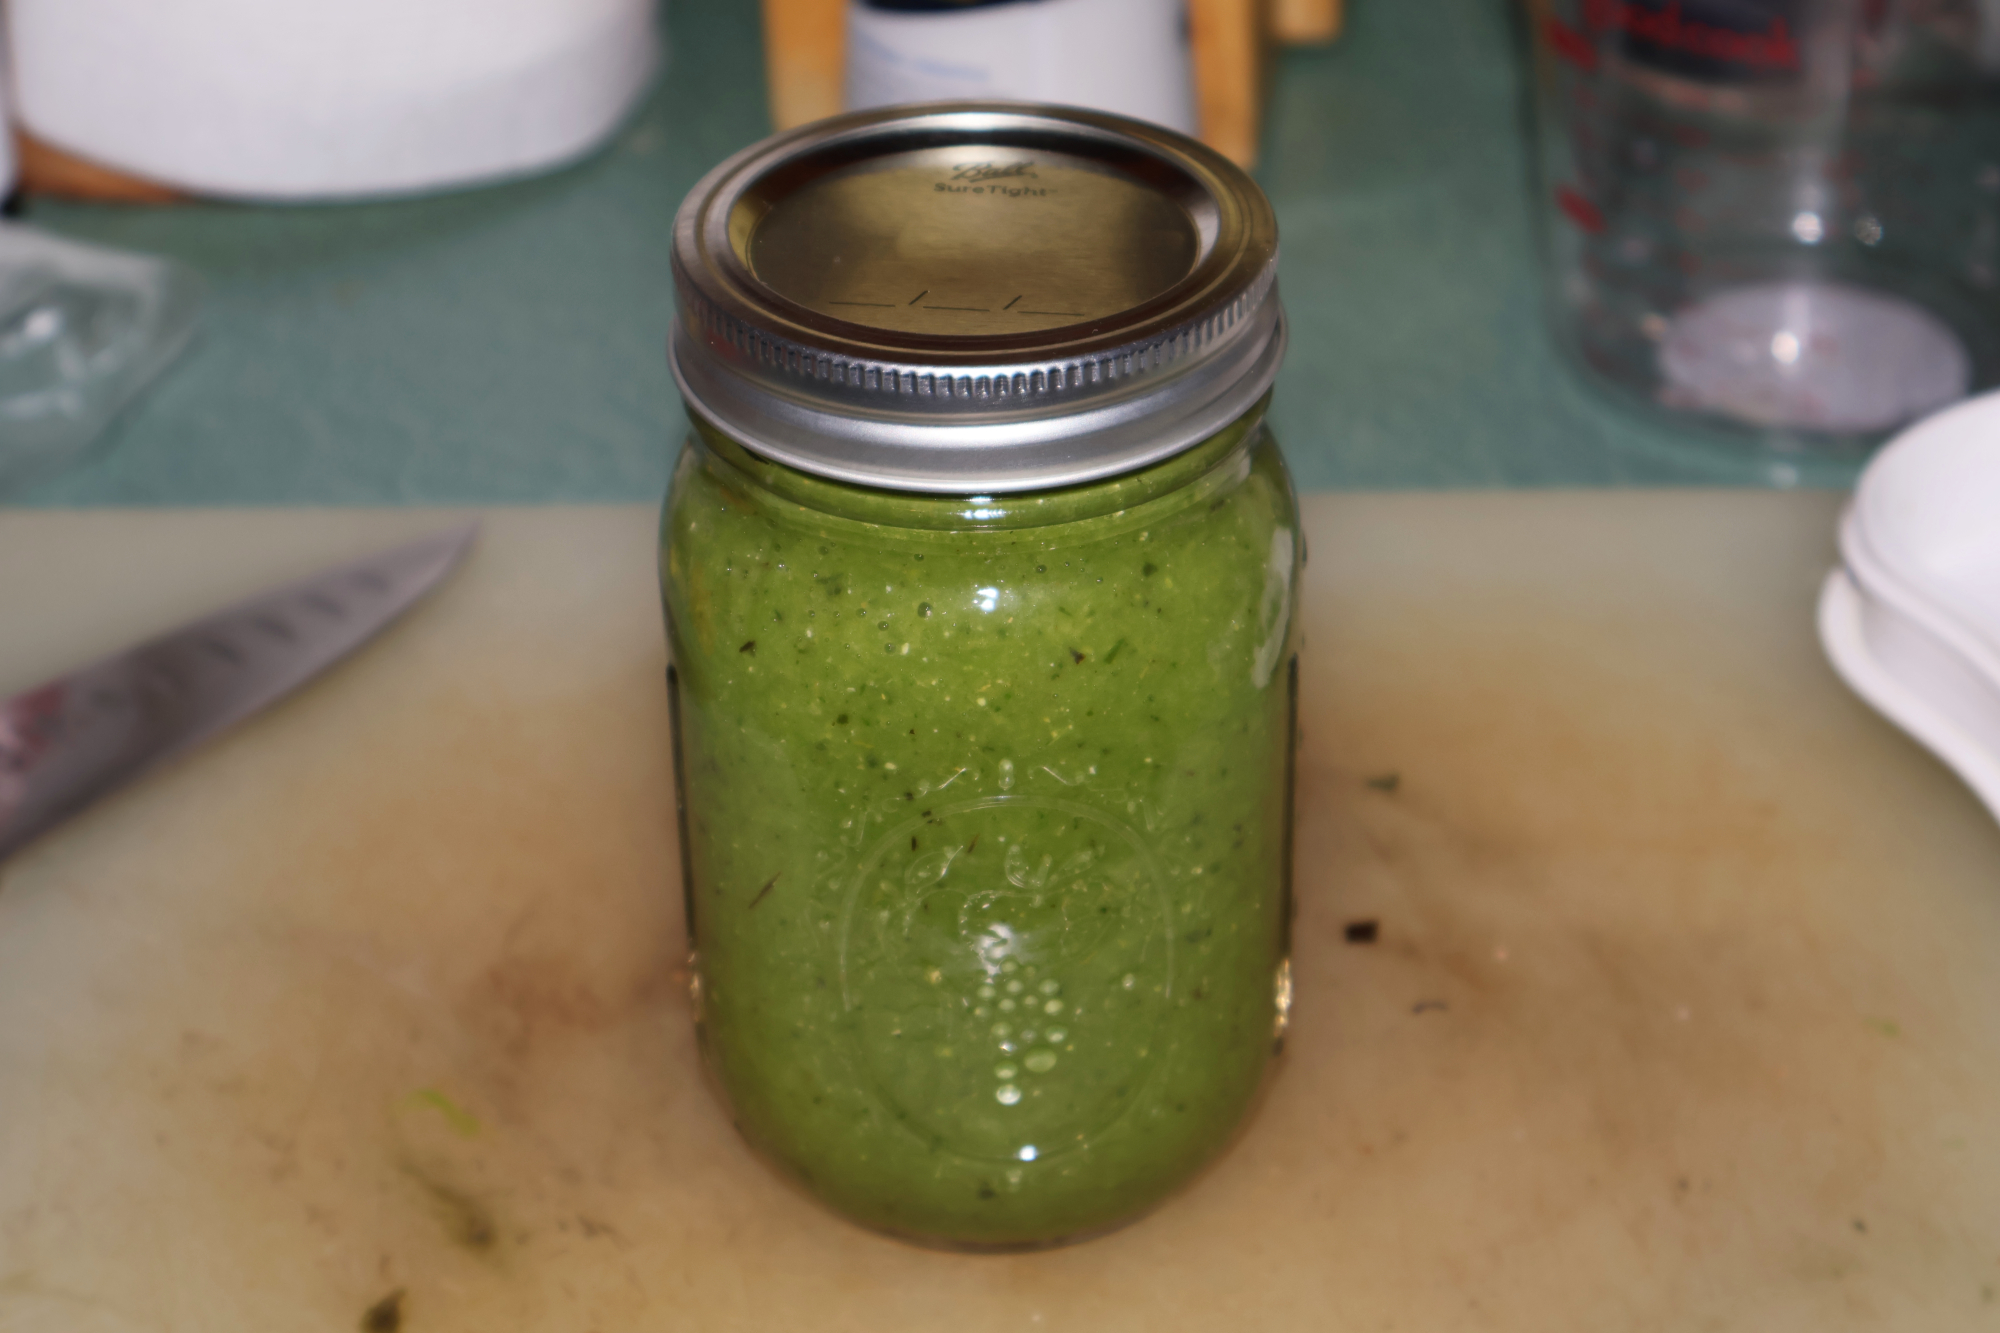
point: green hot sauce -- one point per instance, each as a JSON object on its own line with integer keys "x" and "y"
{"x": 985, "y": 825}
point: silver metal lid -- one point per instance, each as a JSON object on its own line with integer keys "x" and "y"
{"x": 972, "y": 297}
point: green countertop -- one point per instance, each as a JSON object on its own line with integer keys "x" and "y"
{"x": 507, "y": 345}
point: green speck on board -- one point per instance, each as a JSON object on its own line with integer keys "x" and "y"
{"x": 463, "y": 1123}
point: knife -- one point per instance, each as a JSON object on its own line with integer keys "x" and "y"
{"x": 74, "y": 739}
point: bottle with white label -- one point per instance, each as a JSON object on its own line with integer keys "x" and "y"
{"x": 1130, "y": 57}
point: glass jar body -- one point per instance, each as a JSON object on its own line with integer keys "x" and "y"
{"x": 986, "y": 826}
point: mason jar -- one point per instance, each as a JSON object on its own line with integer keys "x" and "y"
{"x": 980, "y": 571}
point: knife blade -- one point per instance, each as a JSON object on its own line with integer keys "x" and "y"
{"x": 68, "y": 742}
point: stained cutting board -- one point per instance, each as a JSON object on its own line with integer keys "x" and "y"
{"x": 1682, "y": 1011}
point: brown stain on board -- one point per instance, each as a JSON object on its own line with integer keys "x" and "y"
{"x": 468, "y": 1222}
{"x": 1612, "y": 1041}
{"x": 524, "y": 1001}
{"x": 1602, "y": 895}
{"x": 385, "y": 1315}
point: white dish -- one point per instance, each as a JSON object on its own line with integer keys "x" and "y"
{"x": 1912, "y": 618}
{"x": 1913, "y": 680}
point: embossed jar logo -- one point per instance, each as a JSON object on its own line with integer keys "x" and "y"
{"x": 1007, "y": 964}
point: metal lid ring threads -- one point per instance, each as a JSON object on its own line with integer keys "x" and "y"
{"x": 969, "y": 297}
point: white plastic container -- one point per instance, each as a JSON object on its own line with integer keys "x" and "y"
{"x": 298, "y": 99}
{"x": 1911, "y": 619}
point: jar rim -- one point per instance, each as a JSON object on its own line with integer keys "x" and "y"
{"x": 959, "y": 515}
{"x": 1186, "y": 331}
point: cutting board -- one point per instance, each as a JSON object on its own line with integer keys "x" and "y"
{"x": 1682, "y": 1008}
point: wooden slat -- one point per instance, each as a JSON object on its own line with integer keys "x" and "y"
{"x": 805, "y": 48}
{"x": 48, "y": 170}
{"x": 1306, "y": 22}
{"x": 1229, "y": 47}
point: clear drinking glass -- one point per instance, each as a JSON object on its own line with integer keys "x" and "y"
{"x": 1778, "y": 217}
{"x": 82, "y": 330}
